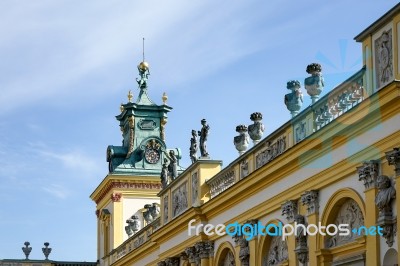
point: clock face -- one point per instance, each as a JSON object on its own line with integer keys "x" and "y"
{"x": 152, "y": 156}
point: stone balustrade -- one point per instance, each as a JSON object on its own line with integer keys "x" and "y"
{"x": 343, "y": 98}
{"x": 134, "y": 241}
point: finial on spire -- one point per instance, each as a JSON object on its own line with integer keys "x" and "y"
{"x": 130, "y": 96}
{"x": 164, "y": 98}
{"x": 143, "y": 49}
{"x": 144, "y": 73}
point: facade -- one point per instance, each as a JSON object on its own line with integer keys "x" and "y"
{"x": 335, "y": 163}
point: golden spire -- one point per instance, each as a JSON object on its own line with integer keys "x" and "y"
{"x": 121, "y": 107}
{"x": 164, "y": 98}
{"x": 130, "y": 96}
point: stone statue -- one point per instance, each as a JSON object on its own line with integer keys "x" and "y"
{"x": 193, "y": 147}
{"x": 164, "y": 174}
{"x": 173, "y": 165}
{"x": 203, "y": 133}
{"x": 294, "y": 100}
{"x": 144, "y": 73}
{"x": 385, "y": 195}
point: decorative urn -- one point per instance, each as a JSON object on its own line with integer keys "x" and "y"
{"x": 242, "y": 141}
{"x": 294, "y": 100}
{"x": 256, "y": 129}
{"x": 315, "y": 83}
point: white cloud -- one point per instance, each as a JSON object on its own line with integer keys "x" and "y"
{"x": 57, "y": 191}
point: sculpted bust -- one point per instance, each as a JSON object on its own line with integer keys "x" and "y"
{"x": 385, "y": 195}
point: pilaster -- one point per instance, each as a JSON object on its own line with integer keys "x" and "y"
{"x": 311, "y": 200}
{"x": 393, "y": 158}
{"x": 117, "y": 220}
{"x": 289, "y": 211}
{"x": 368, "y": 174}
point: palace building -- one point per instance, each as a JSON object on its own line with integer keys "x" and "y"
{"x": 332, "y": 172}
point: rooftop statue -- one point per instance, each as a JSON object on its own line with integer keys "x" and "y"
{"x": 144, "y": 73}
{"x": 173, "y": 165}
{"x": 203, "y": 133}
{"x": 164, "y": 174}
{"x": 193, "y": 147}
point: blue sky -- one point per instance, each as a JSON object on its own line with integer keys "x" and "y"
{"x": 67, "y": 65}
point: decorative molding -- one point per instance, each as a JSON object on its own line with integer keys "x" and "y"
{"x": 163, "y": 122}
{"x": 179, "y": 200}
{"x": 193, "y": 255}
{"x": 277, "y": 253}
{"x": 147, "y": 124}
{"x": 272, "y": 151}
{"x": 174, "y": 261}
{"x": 131, "y": 122}
{"x": 301, "y": 239}
{"x": 311, "y": 199}
{"x": 166, "y": 216}
{"x": 351, "y": 214}
{"x": 244, "y": 169}
{"x": 195, "y": 188}
{"x": 368, "y": 173}
{"x": 116, "y": 197}
{"x": 384, "y": 59}
{"x": 301, "y": 131}
{"x": 229, "y": 259}
{"x": 289, "y": 210}
{"x": 205, "y": 249}
{"x": 244, "y": 252}
{"x": 125, "y": 185}
{"x": 393, "y": 158}
{"x": 221, "y": 182}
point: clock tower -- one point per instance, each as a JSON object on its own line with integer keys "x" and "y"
{"x": 128, "y": 192}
